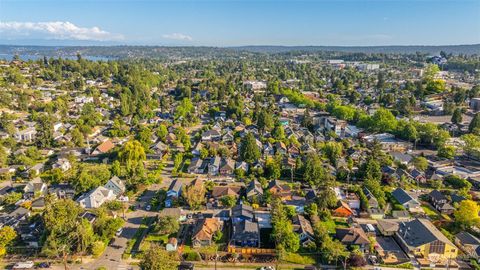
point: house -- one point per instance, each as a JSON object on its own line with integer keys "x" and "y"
{"x": 277, "y": 189}
{"x": 214, "y": 166}
{"x": 62, "y": 164}
{"x": 240, "y": 213}
{"x": 421, "y": 238}
{"x": 401, "y": 214}
{"x": 176, "y": 212}
{"x": 245, "y": 234}
{"x": 372, "y": 201}
{"x": 303, "y": 227}
{"x": 103, "y": 148}
{"x": 254, "y": 191}
{"x": 468, "y": 244}
{"x": 197, "y": 165}
{"x": 116, "y": 185}
{"x": 405, "y": 199}
{"x": 343, "y": 210}
{"x": 227, "y": 167}
{"x": 96, "y": 197}
{"x": 171, "y": 244}
{"x": 62, "y": 191}
{"x": 25, "y": 135}
{"x": 35, "y": 187}
{"x": 211, "y": 135}
{"x": 173, "y": 193}
{"x": 387, "y": 228}
{"x": 38, "y": 204}
{"x": 221, "y": 191}
{"x": 352, "y": 237}
{"x": 204, "y": 230}
{"x": 440, "y": 202}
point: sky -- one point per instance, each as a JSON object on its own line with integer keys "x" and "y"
{"x": 226, "y": 23}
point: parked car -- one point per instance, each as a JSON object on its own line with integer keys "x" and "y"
{"x": 24, "y": 265}
{"x": 119, "y": 232}
{"x": 148, "y": 208}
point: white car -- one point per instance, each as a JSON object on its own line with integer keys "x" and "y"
{"x": 148, "y": 208}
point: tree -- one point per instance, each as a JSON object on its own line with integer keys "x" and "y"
{"x": 194, "y": 195}
{"x": 91, "y": 176}
{"x": 283, "y": 234}
{"x": 167, "y": 225}
{"x": 333, "y": 151}
{"x": 474, "y": 126}
{"x": 472, "y": 145}
{"x": 333, "y": 249}
{"x": 457, "y": 116}
{"x": 264, "y": 120}
{"x": 278, "y": 132}
{"x": 7, "y": 235}
{"x": 61, "y": 219}
{"x": 45, "y": 131}
{"x": 420, "y": 163}
{"x": 228, "y": 201}
{"x": 77, "y": 137}
{"x": 162, "y": 132}
{"x": 446, "y": 151}
{"x": 132, "y": 156}
{"x": 272, "y": 168}
{"x": 314, "y": 172}
{"x": 383, "y": 121}
{"x": 249, "y": 151}
{"x": 467, "y": 213}
{"x": 156, "y": 258}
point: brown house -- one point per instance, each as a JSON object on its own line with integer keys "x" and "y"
{"x": 204, "y": 231}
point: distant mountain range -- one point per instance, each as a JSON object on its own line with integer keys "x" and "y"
{"x": 163, "y": 52}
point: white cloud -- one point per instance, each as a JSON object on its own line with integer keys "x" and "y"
{"x": 55, "y": 30}
{"x": 178, "y": 36}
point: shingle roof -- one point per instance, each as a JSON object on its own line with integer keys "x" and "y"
{"x": 402, "y": 196}
{"x": 419, "y": 232}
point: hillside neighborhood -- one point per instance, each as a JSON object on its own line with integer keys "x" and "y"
{"x": 298, "y": 160}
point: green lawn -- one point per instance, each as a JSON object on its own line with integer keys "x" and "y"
{"x": 430, "y": 212}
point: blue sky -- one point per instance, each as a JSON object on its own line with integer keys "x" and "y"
{"x": 240, "y": 22}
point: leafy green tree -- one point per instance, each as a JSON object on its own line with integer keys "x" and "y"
{"x": 420, "y": 163}
{"x": 474, "y": 126}
{"x": 446, "y": 151}
{"x": 77, "y": 137}
{"x": 333, "y": 151}
{"x": 162, "y": 132}
{"x": 264, "y": 120}
{"x": 167, "y": 225}
{"x": 278, "y": 132}
{"x": 457, "y": 116}
{"x": 314, "y": 172}
{"x": 61, "y": 219}
{"x": 45, "y": 131}
{"x": 156, "y": 258}
{"x": 228, "y": 201}
{"x": 272, "y": 168}
{"x": 383, "y": 121}
{"x": 91, "y": 176}
{"x": 7, "y": 235}
{"x": 467, "y": 214}
{"x": 283, "y": 234}
{"x": 249, "y": 151}
{"x": 132, "y": 156}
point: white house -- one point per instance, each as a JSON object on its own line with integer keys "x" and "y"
{"x": 116, "y": 185}
{"x": 62, "y": 164}
{"x": 95, "y": 198}
{"x": 25, "y": 135}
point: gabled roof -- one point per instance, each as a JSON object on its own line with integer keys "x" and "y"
{"x": 242, "y": 210}
{"x": 437, "y": 195}
{"x": 419, "y": 232}
{"x": 220, "y": 191}
{"x": 352, "y": 236}
{"x": 105, "y": 146}
{"x": 206, "y": 228}
{"x": 466, "y": 238}
{"x": 402, "y": 196}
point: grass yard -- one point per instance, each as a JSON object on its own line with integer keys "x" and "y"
{"x": 430, "y": 212}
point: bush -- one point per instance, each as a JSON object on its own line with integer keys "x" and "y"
{"x": 192, "y": 256}
{"x": 97, "y": 248}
